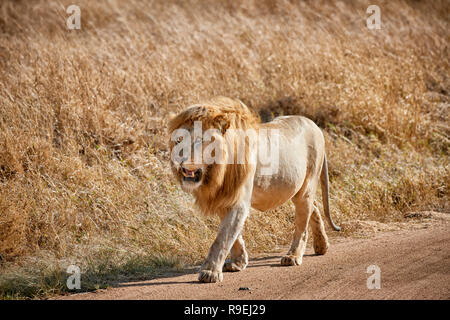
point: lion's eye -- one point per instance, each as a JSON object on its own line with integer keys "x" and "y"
{"x": 179, "y": 139}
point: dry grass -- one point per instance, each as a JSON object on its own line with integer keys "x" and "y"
{"x": 84, "y": 176}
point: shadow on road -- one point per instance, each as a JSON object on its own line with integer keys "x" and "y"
{"x": 269, "y": 261}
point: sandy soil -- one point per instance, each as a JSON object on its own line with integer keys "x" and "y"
{"x": 414, "y": 260}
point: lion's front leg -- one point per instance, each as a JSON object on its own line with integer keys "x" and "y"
{"x": 239, "y": 257}
{"x": 229, "y": 230}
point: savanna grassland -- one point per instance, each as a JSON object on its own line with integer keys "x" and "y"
{"x": 84, "y": 164}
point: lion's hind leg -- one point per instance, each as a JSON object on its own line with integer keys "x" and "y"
{"x": 303, "y": 210}
{"x": 239, "y": 257}
{"x": 320, "y": 239}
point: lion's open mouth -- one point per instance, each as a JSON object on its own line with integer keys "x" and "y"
{"x": 191, "y": 175}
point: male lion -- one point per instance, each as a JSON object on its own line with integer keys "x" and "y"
{"x": 230, "y": 188}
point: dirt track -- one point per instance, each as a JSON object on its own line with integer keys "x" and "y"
{"x": 415, "y": 264}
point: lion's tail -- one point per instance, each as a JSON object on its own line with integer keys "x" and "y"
{"x": 325, "y": 192}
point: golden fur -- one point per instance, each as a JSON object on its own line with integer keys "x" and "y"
{"x": 221, "y": 191}
{"x": 229, "y": 190}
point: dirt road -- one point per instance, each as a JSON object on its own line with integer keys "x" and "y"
{"x": 414, "y": 264}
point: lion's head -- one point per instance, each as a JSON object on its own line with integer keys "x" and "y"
{"x": 200, "y": 143}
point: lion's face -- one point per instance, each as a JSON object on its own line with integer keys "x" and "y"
{"x": 192, "y": 158}
{"x": 204, "y": 152}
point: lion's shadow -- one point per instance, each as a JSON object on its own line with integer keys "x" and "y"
{"x": 269, "y": 261}
{"x": 273, "y": 264}
{"x": 147, "y": 283}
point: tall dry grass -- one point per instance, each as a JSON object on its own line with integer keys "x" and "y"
{"x": 84, "y": 175}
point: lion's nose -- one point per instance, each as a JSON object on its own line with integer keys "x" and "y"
{"x": 190, "y": 166}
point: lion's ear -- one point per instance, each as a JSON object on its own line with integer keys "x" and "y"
{"x": 222, "y": 124}
{"x": 171, "y": 116}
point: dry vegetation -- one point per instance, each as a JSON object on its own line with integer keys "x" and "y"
{"x": 84, "y": 176}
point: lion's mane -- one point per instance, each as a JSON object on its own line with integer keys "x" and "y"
{"x": 221, "y": 188}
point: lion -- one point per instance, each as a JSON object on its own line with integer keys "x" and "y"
{"x": 230, "y": 188}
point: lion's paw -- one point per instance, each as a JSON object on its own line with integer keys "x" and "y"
{"x": 290, "y": 260}
{"x": 231, "y": 266}
{"x": 209, "y": 276}
{"x": 321, "y": 247}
